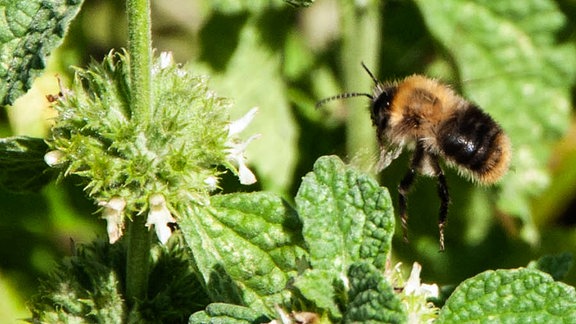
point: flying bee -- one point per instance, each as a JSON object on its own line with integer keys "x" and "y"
{"x": 425, "y": 114}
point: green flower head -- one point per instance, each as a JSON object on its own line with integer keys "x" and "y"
{"x": 134, "y": 165}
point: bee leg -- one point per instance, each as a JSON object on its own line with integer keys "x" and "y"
{"x": 403, "y": 190}
{"x": 405, "y": 186}
{"x": 444, "y": 198}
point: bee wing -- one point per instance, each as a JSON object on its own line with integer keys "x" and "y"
{"x": 388, "y": 153}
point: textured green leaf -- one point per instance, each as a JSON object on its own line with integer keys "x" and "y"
{"x": 226, "y": 314}
{"x": 511, "y": 296}
{"x": 318, "y": 286}
{"x": 519, "y": 74}
{"x": 246, "y": 247}
{"x": 555, "y": 265}
{"x": 346, "y": 216}
{"x": 29, "y": 31}
{"x": 371, "y": 298}
{"x": 22, "y": 166}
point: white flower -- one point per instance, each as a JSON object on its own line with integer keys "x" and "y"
{"x": 112, "y": 213}
{"x": 165, "y": 60}
{"x": 160, "y": 216}
{"x": 54, "y": 158}
{"x": 414, "y": 287}
{"x": 236, "y": 149}
{"x": 236, "y": 155}
{"x": 211, "y": 182}
{"x": 414, "y": 298}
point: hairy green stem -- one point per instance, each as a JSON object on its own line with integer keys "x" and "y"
{"x": 140, "y": 49}
{"x": 361, "y": 43}
{"x": 138, "y": 259}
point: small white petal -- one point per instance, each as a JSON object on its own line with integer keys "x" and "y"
{"x": 116, "y": 203}
{"x": 250, "y": 139}
{"x": 211, "y": 182}
{"x": 284, "y": 317}
{"x": 210, "y": 94}
{"x": 430, "y": 290}
{"x": 413, "y": 283}
{"x": 415, "y": 287}
{"x": 112, "y": 213}
{"x": 114, "y": 230}
{"x": 165, "y": 59}
{"x": 157, "y": 200}
{"x": 54, "y": 158}
{"x": 239, "y": 125}
{"x": 159, "y": 216}
{"x": 236, "y": 154}
{"x": 245, "y": 175}
{"x": 236, "y": 150}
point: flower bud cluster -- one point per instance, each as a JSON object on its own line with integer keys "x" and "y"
{"x": 151, "y": 162}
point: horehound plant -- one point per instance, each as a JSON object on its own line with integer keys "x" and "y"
{"x": 146, "y": 166}
{"x": 149, "y": 139}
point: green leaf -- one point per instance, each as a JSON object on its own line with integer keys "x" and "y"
{"x": 318, "y": 286}
{"x": 510, "y": 296}
{"x": 371, "y": 298}
{"x": 226, "y": 313}
{"x": 22, "y": 166}
{"x": 519, "y": 73}
{"x": 246, "y": 247}
{"x": 29, "y": 32}
{"x": 555, "y": 265}
{"x": 346, "y": 216}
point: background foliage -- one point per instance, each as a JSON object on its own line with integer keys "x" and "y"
{"x": 516, "y": 60}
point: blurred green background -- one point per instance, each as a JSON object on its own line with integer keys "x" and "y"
{"x": 515, "y": 59}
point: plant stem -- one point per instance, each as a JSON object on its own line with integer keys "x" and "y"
{"x": 137, "y": 259}
{"x": 361, "y": 43}
{"x": 140, "y": 50}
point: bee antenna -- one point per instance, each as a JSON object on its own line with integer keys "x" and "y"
{"x": 343, "y": 96}
{"x": 369, "y": 73}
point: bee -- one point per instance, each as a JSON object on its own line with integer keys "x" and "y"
{"x": 433, "y": 120}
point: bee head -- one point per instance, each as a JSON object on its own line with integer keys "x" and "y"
{"x": 381, "y": 100}
{"x": 380, "y": 106}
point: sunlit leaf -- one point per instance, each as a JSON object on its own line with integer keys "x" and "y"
{"x": 346, "y": 216}
{"x": 520, "y": 74}
{"x": 29, "y": 32}
{"x": 245, "y": 247}
{"x": 372, "y": 299}
{"x": 510, "y": 296}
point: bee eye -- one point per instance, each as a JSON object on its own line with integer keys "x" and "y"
{"x": 381, "y": 104}
{"x": 380, "y": 112}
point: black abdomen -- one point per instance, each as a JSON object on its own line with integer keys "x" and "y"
{"x": 470, "y": 138}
